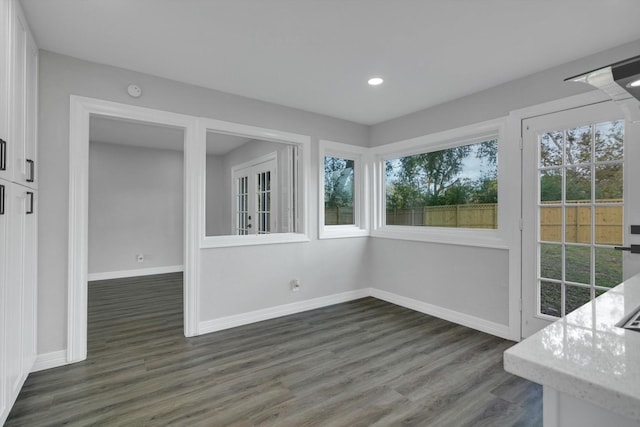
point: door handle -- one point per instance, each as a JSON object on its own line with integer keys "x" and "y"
{"x": 634, "y": 249}
{"x": 30, "y": 195}
{"x": 31, "y": 164}
{"x": 3, "y": 155}
{"x": 1, "y": 199}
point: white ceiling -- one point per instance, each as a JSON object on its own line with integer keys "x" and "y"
{"x": 316, "y": 55}
{"x": 139, "y": 134}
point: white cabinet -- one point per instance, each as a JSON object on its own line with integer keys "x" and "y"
{"x": 18, "y": 260}
{"x": 5, "y": 52}
{"x": 18, "y": 153}
{"x": 18, "y": 202}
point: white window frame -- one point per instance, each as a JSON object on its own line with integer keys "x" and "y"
{"x": 476, "y": 133}
{"x": 358, "y": 154}
{"x": 265, "y": 134}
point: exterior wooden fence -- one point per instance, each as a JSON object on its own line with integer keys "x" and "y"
{"x": 608, "y": 220}
{"x": 461, "y": 216}
{"x": 609, "y": 223}
{"x": 338, "y": 216}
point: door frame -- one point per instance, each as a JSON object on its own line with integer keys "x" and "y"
{"x": 81, "y": 108}
{"x": 516, "y": 119}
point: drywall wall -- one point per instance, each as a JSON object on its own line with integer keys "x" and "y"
{"x": 61, "y": 76}
{"x": 325, "y": 267}
{"x": 135, "y": 207}
{"x": 217, "y": 204}
{"x": 472, "y": 281}
{"x": 498, "y": 101}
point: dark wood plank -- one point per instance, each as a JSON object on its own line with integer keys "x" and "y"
{"x": 361, "y": 363}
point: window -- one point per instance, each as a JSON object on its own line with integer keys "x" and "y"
{"x": 454, "y": 187}
{"x": 338, "y": 191}
{"x": 445, "y": 187}
{"x": 255, "y": 185}
{"x": 342, "y": 178}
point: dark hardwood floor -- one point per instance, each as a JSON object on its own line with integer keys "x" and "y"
{"x": 361, "y": 363}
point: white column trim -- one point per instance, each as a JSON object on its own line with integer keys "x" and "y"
{"x": 81, "y": 108}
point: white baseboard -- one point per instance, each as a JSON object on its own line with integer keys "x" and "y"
{"x": 50, "y": 360}
{"x": 467, "y": 320}
{"x": 59, "y": 358}
{"x": 135, "y": 273}
{"x": 228, "y": 322}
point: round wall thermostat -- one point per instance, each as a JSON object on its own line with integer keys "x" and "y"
{"x": 134, "y": 91}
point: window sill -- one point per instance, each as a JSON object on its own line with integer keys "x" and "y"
{"x": 341, "y": 232}
{"x": 456, "y": 236}
{"x": 252, "y": 240}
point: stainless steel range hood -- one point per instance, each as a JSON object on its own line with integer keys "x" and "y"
{"x": 621, "y": 81}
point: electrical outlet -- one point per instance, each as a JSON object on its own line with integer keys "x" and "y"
{"x": 295, "y": 285}
{"x": 140, "y": 258}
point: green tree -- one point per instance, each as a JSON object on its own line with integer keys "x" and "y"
{"x": 338, "y": 182}
{"x": 437, "y": 178}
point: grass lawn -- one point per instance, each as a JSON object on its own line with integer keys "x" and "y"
{"x": 608, "y": 273}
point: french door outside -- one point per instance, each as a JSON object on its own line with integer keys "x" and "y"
{"x": 578, "y": 202}
{"x": 255, "y": 199}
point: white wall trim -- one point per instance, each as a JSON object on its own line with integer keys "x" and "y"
{"x": 108, "y": 275}
{"x": 59, "y": 358}
{"x": 477, "y": 323}
{"x": 266, "y": 134}
{"x": 50, "y": 360}
{"x": 499, "y": 238}
{"x": 81, "y": 108}
{"x": 360, "y": 191}
{"x": 235, "y": 320}
{"x": 453, "y": 316}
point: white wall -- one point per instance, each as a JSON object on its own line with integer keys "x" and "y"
{"x": 326, "y": 267}
{"x": 135, "y": 207}
{"x": 61, "y": 76}
{"x": 498, "y": 101}
{"x": 469, "y": 280}
{"x": 216, "y": 203}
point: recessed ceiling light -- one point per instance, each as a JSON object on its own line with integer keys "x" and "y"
{"x": 375, "y": 81}
{"x": 635, "y": 83}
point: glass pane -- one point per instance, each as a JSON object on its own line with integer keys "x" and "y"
{"x": 551, "y": 185}
{"x": 456, "y": 187}
{"x": 338, "y": 191}
{"x": 551, "y": 149}
{"x": 609, "y": 225}
{"x": 578, "y": 149}
{"x": 608, "y": 267}
{"x": 609, "y": 141}
{"x": 578, "y": 264}
{"x": 578, "y": 184}
{"x": 578, "y": 224}
{"x": 550, "y": 224}
{"x": 609, "y": 183}
{"x": 551, "y": 261}
{"x": 550, "y": 298}
{"x": 576, "y": 296}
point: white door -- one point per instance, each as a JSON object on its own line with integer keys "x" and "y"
{"x": 578, "y": 205}
{"x": 255, "y": 199}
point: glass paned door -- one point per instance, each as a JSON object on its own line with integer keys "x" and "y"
{"x": 242, "y": 205}
{"x": 255, "y": 199}
{"x": 573, "y": 210}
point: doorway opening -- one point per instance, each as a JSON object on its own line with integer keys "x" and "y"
{"x": 81, "y": 112}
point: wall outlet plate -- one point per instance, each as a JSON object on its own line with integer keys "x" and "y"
{"x": 295, "y": 285}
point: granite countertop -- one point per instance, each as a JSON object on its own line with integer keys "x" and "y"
{"x": 586, "y": 355}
